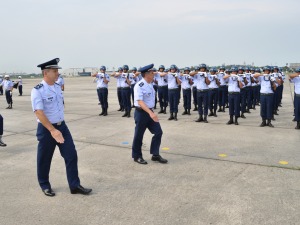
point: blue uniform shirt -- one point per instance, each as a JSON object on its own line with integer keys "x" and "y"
{"x": 248, "y": 78}
{"x": 200, "y": 79}
{"x": 100, "y": 80}
{"x": 48, "y": 98}
{"x": 145, "y": 92}
{"x": 60, "y": 80}
{"x": 123, "y": 82}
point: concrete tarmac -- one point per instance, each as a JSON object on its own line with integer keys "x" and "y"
{"x": 217, "y": 173}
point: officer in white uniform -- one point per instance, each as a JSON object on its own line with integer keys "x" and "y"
{"x": 47, "y": 104}
{"x": 8, "y": 86}
{"x": 144, "y": 116}
{"x": 20, "y": 86}
{"x": 162, "y": 89}
{"x": 268, "y": 86}
{"x": 197, "y": 69}
{"x": 222, "y": 90}
{"x": 186, "y": 84}
{"x": 213, "y": 91}
{"x": 1, "y": 88}
{"x": 102, "y": 89}
{"x": 235, "y": 83}
{"x": 295, "y": 78}
{"x": 119, "y": 88}
{"x": 202, "y": 92}
{"x": 61, "y": 82}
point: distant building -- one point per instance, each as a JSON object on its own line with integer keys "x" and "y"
{"x": 294, "y": 65}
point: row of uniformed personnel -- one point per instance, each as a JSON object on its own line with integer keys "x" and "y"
{"x": 209, "y": 89}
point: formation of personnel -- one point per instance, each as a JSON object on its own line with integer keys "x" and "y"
{"x": 240, "y": 89}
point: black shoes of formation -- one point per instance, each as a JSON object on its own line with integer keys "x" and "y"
{"x": 243, "y": 116}
{"x": 200, "y": 119}
{"x": 2, "y": 144}
{"x": 231, "y": 120}
{"x": 48, "y": 192}
{"x": 140, "y": 160}
{"x": 171, "y": 116}
{"x": 298, "y": 125}
{"x": 263, "y": 123}
{"x": 81, "y": 190}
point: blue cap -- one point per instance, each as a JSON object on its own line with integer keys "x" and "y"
{"x": 146, "y": 68}
{"x": 134, "y": 69}
{"x": 297, "y": 70}
{"x": 125, "y": 67}
{"x": 103, "y": 68}
{"x": 52, "y": 64}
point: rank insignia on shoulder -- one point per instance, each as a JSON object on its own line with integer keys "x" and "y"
{"x": 56, "y": 83}
{"x": 141, "y": 84}
{"x": 38, "y": 86}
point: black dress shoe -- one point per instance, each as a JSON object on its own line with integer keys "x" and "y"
{"x": 48, "y": 192}
{"x": 81, "y": 190}
{"x": 140, "y": 160}
{"x": 158, "y": 158}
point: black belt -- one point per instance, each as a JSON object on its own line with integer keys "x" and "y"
{"x": 186, "y": 88}
{"x": 125, "y": 87}
{"x": 213, "y": 89}
{"x": 173, "y": 89}
{"x": 266, "y": 94}
{"x": 297, "y": 95}
{"x": 205, "y": 90}
{"x": 141, "y": 110}
{"x": 164, "y": 86}
{"x": 59, "y": 123}
{"x": 233, "y": 93}
{"x": 102, "y": 88}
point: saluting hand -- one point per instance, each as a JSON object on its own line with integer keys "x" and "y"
{"x": 154, "y": 117}
{"x": 57, "y": 135}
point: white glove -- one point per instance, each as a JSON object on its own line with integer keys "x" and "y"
{"x": 176, "y": 75}
{"x": 298, "y": 75}
{"x": 234, "y": 75}
{"x": 272, "y": 79}
{"x": 205, "y": 74}
{"x": 101, "y": 75}
{"x": 189, "y": 77}
{"x": 10, "y": 92}
{"x": 213, "y": 76}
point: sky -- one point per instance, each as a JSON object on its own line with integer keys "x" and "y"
{"x": 92, "y": 33}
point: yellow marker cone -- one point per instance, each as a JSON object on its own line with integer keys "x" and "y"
{"x": 283, "y": 162}
{"x": 222, "y": 155}
{"x": 165, "y": 149}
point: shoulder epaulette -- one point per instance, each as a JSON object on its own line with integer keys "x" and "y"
{"x": 57, "y": 84}
{"x": 38, "y": 86}
{"x": 141, "y": 84}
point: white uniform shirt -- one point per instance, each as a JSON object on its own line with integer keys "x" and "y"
{"x": 296, "y": 81}
{"x": 20, "y": 82}
{"x": 123, "y": 81}
{"x": 221, "y": 78}
{"x": 7, "y": 84}
{"x": 233, "y": 84}
{"x": 161, "y": 81}
{"x": 265, "y": 84}
{"x": 186, "y": 81}
{"x": 145, "y": 92}
{"x": 60, "y": 81}
{"x": 248, "y": 78}
{"x": 213, "y": 82}
{"x": 200, "y": 77}
{"x": 172, "y": 82}
{"x": 48, "y": 98}
{"x": 100, "y": 80}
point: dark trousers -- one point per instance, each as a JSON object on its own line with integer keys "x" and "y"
{"x": 234, "y": 104}
{"x": 222, "y": 95}
{"x": 20, "y": 87}
{"x": 1, "y": 125}
{"x": 119, "y": 93}
{"x": 46, "y": 147}
{"x": 155, "y": 89}
{"x": 249, "y": 98}
{"x": 202, "y": 101}
{"x": 132, "y": 92}
{"x": 142, "y": 122}
{"x": 255, "y": 91}
{"x": 126, "y": 99}
{"x": 173, "y": 100}
{"x": 187, "y": 97}
{"x": 213, "y": 99}
{"x": 226, "y": 95}
{"x": 280, "y": 90}
{"x": 275, "y": 100}
{"x": 297, "y": 108}
{"x": 163, "y": 96}
{"x": 8, "y": 97}
{"x": 195, "y": 95}
{"x": 103, "y": 94}
{"x": 1, "y": 90}
{"x": 243, "y": 100}
{"x": 266, "y": 106}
